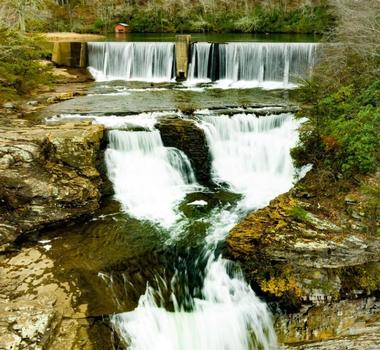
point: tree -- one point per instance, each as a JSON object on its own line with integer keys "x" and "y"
{"x": 15, "y": 13}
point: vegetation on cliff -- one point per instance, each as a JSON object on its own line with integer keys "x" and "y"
{"x": 247, "y": 16}
{"x": 21, "y": 70}
{"x": 342, "y": 101}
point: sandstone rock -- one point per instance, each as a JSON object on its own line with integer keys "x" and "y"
{"x": 307, "y": 258}
{"x": 37, "y": 310}
{"x": 335, "y": 326}
{"x": 310, "y": 259}
{"x": 48, "y": 174}
{"x": 189, "y": 138}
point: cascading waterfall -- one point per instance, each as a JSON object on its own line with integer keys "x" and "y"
{"x": 145, "y": 61}
{"x": 252, "y": 154}
{"x": 252, "y": 64}
{"x": 148, "y": 178}
{"x": 229, "y": 316}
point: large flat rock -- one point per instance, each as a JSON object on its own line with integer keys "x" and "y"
{"x": 48, "y": 174}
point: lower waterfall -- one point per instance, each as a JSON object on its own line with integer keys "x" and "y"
{"x": 148, "y": 178}
{"x": 251, "y": 156}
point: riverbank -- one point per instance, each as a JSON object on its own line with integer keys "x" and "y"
{"x": 321, "y": 255}
{"x": 42, "y": 165}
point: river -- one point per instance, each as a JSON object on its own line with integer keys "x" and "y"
{"x": 151, "y": 262}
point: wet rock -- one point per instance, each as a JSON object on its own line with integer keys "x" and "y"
{"x": 189, "y": 138}
{"x": 37, "y": 310}
{"x": 308, "y": 259}
{"x": 33, "y": 103}
{"x": 48, "y": 174}
{"x": 61, "y": 97}
{"x": 349, "y": 324}
{"x": 316, "y": 264}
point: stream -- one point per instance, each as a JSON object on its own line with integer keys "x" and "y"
{"x": 151, "y": 262}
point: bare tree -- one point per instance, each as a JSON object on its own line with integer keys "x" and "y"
{"x": 359, "y": 25}
{"x": 16, "y": 12}
{"x": 354, "y": 50}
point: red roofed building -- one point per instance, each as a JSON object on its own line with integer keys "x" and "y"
{"x": 121, "y": 28}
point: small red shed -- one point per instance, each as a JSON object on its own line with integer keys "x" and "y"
{"x": 121, "y": 28}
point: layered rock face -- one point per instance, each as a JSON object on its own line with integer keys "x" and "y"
{"x": 48, "y": 174}
{"x": 313, "y": 252}
{"x": 185, "y": 135}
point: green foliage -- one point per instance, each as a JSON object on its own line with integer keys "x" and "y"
{"x": 20, "y": 68}
{"x": 257, "y": 19}
{"x": 243, "y": 16}
{"x": 342, "y": 101}
{"x": 298, "y": 213}
{"x": 345, "y": 132}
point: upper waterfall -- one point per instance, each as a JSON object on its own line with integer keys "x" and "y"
{"x": 256, "y": 63}
{"x": 238, "y": 64}
{"x": 146, "y": 61}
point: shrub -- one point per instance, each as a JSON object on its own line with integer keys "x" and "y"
{"x": 20, "y": 68}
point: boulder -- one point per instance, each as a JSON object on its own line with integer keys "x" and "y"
{"x": 316, "y": 265}
{"x": 185, "y": 135}
{"x": 48, "y": 174}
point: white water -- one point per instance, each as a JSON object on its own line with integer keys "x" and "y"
{"x": 198, "y": 67}
{"x": 143, "y": 61}
{"x": 149, "y": 179}
{"x": 252, "y": 155}
{"x": 145, "y": 120}
{"x": 229, "y": 317}
{"x": 249, "y": 65}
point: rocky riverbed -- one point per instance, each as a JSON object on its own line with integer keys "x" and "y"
{"x": 314, "y": 254}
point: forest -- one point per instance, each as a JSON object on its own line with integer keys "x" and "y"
{"x": 97, "y": 16}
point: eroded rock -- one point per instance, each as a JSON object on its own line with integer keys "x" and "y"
{"x": 305, "y": 253}
{"x": 185, "y": 135}
{"x": 48, "y": 174}
{"x": 37, "y": 310}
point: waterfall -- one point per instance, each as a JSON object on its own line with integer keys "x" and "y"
{"x": 145, "y": 61}
{"x": 149, "y": 179}
{"x": 252, "y": 64}
{"x": 229, "y": 316}
{"x": 199, "y": 62}
{"x": 252, "y": 155}
{"x": 249, "y": 64}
